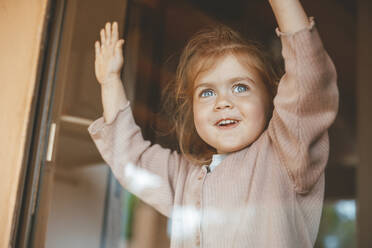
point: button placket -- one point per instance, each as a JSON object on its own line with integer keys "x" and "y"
{"x": 201, "y": 175}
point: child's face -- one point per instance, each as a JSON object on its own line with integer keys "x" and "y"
{"x": 233, "y": 93}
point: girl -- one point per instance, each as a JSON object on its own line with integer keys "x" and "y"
{"x": 267, "y": 189}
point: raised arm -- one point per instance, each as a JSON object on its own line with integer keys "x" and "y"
{"x": 148, "y": 171}
{"x": 290, "y": 15}
{"x": 306, "y": 103}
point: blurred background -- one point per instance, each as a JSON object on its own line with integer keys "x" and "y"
{"x": 80, "y": 204}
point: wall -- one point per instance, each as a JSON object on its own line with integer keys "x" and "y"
{"x": 21, "y": 27}
{"x": 364, "y": 86}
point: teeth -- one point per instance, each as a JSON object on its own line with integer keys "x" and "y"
{"x": 226, "y": 122}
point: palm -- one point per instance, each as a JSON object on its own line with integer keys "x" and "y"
{"x": 109, "y": 54}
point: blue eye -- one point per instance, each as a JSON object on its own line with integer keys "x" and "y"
{"x": 240, "y": 88}
{"x": 207, "y": 93}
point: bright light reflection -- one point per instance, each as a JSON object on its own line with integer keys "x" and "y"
{"x": 185, "y": 220}
{"x": 139, "y": 179}
{"x": 346, "y": 209}
{"x": 331, "y": 241}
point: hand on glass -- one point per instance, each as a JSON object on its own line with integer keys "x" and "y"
{"x": 109, "y": 57}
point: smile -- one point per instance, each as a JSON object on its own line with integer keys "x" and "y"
{"x": 227, "y": 123}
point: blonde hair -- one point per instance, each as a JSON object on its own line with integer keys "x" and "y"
{"x": 204, "y": 49}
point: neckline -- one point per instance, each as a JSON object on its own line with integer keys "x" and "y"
{"x": 219, "y": 156}
{"x": 217, "y": 160}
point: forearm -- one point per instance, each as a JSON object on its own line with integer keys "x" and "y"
{"x": 113, "y": 97}
{"x": 290, "y": 15}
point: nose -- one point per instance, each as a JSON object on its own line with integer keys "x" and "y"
{"x": 222, "y": 102}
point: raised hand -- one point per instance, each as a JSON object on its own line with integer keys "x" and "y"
{"x": 109, "y": 57}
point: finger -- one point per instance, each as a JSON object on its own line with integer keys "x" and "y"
{"x": 103, "y": 36}
{"x": 118, "y": 46}
{"x": 97, "y": 48}
{"x": 108, "y": 33}
{"x": 115, "y": 32}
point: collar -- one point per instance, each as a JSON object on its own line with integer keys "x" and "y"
{"x": 216, "y": 160}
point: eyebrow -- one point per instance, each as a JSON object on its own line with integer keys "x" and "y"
{"x": 231, "y": 80}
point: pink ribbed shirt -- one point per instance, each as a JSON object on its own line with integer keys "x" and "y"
{"x": 269, "y": 194}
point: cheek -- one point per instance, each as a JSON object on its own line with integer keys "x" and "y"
{"x": 200, "y": 117}
{"x": 256, "y": 110}
{"x": 261, "y": 113}
{"x": 196, "y": 114}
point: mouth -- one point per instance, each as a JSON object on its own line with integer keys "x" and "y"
{"x": 227, "y": 123}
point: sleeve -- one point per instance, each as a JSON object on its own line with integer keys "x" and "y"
{"x": 305, "y": 107}
{"x": 148, "y": 171}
